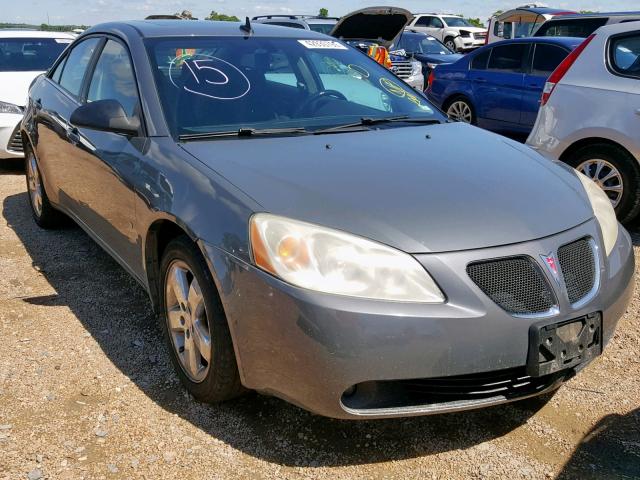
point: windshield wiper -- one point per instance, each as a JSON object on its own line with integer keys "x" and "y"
{"x": 367, "y": 121}
{"x": 242, "y": 132}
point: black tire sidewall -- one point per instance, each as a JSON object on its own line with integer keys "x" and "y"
{"x": 222, "y": 381}
{"x": 629, "y": 206}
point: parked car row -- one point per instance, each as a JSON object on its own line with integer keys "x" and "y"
{"x": 309, "y": 226}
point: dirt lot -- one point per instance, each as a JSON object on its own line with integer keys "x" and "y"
{"x": 87, "y": 391}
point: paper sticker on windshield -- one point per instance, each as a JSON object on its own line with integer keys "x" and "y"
{"x": 63, "y": 40}
{"x": 208, "y": 76}
{"x": 323, "y": 44}
{"x": 397, "y": 90}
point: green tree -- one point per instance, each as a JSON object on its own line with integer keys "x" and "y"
{"x": 221, "y": 17}
{"x": 497, "y": 13}
{"x": 323, "y": 13}
{"x": 476, "y": 22}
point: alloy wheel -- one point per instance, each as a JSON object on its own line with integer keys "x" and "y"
{"x": 34, "y": 183}
{"x": 461, "y": 111}
{"x": 606, "y": 176}
{"x": 187, "y": 321}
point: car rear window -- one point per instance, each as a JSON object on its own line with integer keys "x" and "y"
{"x": 578, "y": 27}
{"x": 625, "y": 55}
{"x": 30, "y": 54}
{"x": 547, "y": 58}
{"x": 508, "y": 58}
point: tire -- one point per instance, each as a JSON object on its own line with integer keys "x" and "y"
{"x": 210, "y": 376}
{"x": 459, "y": 103}
{"x": 588, "y": 158}
{"x": 450, "y": 43}
{"x": 44, "y": 214}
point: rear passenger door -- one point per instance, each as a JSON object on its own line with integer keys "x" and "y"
{"x": 499, "y": 91}
{"x": 545, "y": 59}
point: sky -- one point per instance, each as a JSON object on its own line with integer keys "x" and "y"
{"x": 91, "y": 12}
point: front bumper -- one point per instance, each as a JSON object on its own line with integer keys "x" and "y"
{"x": 416, "y": 81}
{"x": 9, "y": 123}
{"x": 310, "y": 348}
{"x": 469, "y": 43}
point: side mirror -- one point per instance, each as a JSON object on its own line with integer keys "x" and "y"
{"x": 107, "y": 116}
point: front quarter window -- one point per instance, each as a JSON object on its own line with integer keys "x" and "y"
{"x": 218, "y": 84}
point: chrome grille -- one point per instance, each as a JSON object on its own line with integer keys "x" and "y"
{"x": 480, "y": 36}
{"x": 402, "y": 68}
{"x": 516, "y": 284}
{"x": 578, "y": 264}
{"x": 15, "y": 144}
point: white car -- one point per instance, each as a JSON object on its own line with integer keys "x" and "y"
{"x": 452, "y": 30}
{"x": 590, "y": 114}
{"x": 23, "y": 56}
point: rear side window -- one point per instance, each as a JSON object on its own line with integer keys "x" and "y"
{"x": 424, "y": 21}
{"x": 581, "y": 27}
{"x": 480, "y": 60}
{"x": 547, "y": 58}
{"x": 508, "y": 58}
{"x": 55, "y": 76}
{"x": 287, "y": 24}
{"x": 625, "y": 55}
{"x": 76, "y": 66}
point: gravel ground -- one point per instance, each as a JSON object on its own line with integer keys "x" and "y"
{"x": 87, "y": 391}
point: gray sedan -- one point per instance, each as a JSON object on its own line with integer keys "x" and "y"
{"x": 309, "y": 227}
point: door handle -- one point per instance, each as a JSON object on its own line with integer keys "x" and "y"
{"x": 73, "y": 135}
{"x": 480, "y": 80}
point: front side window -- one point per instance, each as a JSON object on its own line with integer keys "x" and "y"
{"x": 625, "y": 55}
{"x": 113, "y": 78}
{"x": 508, "y": 58}
{"x": 436, "y": 23}
{"x": 30, "y": 54}
{"x": 76, "y": 66}
{"x": 547, "y": 58}
{"x": 479, "y": 62}
{"x": 225, "y": 84}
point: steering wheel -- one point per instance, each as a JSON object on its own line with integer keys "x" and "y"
{"x": 317, "y": 97}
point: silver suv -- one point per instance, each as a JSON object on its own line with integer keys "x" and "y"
{"x": 304, "y": 22}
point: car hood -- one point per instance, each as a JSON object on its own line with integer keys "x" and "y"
{"x": 381, "y": 25}
{"x": 15, "y": 86}
{"x": 471, "y": 29}
{"x": 419, "y": 189}
{"x": 436, "y": 58}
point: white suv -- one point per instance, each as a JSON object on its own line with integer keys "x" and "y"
{"x": 590, "y": 114}
{"x": 24, "y": 55}
{"x": 452, "y": 30}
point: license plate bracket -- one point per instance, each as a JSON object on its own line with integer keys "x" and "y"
{"x": 562, "y": 345}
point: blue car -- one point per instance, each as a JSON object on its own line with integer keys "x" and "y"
{"x": 499, "y": 86}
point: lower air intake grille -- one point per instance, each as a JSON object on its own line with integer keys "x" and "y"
{"x": 15, "y": 144}
{"x": 578, "y": 265}
{"x": 515, "y": 283}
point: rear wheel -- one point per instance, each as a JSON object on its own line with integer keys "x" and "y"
{"x": 195, "y": 326}
{"x": 615, "y": 171}
{"x": 43, "y": 212}
{"x": 460, "y": 109}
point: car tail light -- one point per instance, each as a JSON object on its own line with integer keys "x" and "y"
{"x": 432, "y": 77}
{"x": 562, "y": 69}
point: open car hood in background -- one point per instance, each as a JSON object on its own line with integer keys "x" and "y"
{"x": 381, "y": 25}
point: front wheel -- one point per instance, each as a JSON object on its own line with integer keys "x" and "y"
{"x": 195, "y": 326}
{"x": 615, "y": 171}
{"x": 450, "y": 44}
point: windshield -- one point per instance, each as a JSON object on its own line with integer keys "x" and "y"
{"x": 422, "y": 44}
{"x": 30, "y": 54}
{"x": 224, "y": 84}
{"x": 456, "y": 22}
{"x": 321, "y": 27}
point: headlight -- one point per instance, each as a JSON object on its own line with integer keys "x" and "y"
{"x": 330, "y": 261}
{"x": 416, "y": 68}
{"x": 465, "y": 33}
{"x": 603, "y": 210}
{"x": 10, "y": 108}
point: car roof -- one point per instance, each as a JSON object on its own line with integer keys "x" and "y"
{"x": 34, "y": 34}
{"x": 595, "y": 15}
{"x": 203, "y": 28}
{"x": 438, "y": 14}
{"x": 571, "y": 42}
{"x": 416, "y": 33}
